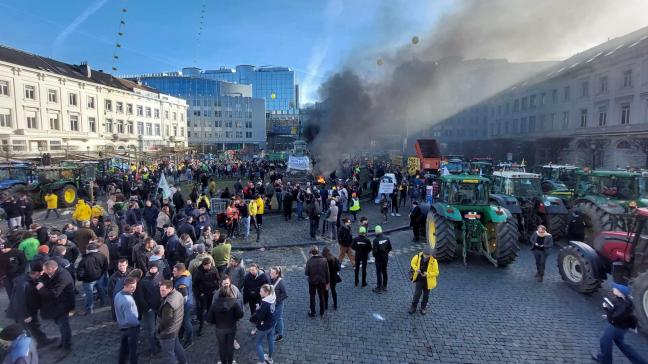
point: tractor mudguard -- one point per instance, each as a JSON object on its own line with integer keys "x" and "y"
{"x": 447, "y": 211}
{"x": 554, "y": 206}
{"x": 496, "y": 214}
{"x": 507, "y": 202}
{"x": 603, "y": 203}
{"x": 592, "y": 256}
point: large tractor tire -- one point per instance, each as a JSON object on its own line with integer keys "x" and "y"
{"x": 557, "y": 225}
{"x": 67, "y": 196}
{"x": 640, "y": 295}
{"x": 577, "y": 270}
{"x": 507, "y": 242}
{"x": 596, "y": 220}
{"x": 441, "y": 236}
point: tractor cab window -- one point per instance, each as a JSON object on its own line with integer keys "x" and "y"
{"x": 524, "y": 187}
{"x": 460, "y": 193}
{"x": 623, "y": 188}
{"x": 643, "y": 186}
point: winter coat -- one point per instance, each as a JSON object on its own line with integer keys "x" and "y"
{"x": 221, "y": 254}
{"x": 52, "y": 201}
{"x": 24, "y": 298}
{"x": 317, "y": 270}
{"x": 150, "y": 286}
{"x": 362, "y": 246}
{"x": 280, "y": 290}
{"x": 237, "y": 275}
{"x": 252, "y": 285}
{"x": 57, "y": 295}
{"x": 205, "y": 282}
{"x": 12, "y": 263}
{"x": 170, "y": 315}
{"x": 150, "y": 215}
{"x": 332, "y": 214}
{"x": 183, "y": 284}
{"x": 334, "y": 267}
{"x": 162, "y": 219}
{"x": 141, "y": 256}
{"x": 546, "y": 244}
{"x": 381, "y": 247}
{"x": 344, "y": 236}
{"x": 224, "y": 313}
{"x": 30, "y": 247}
{"x": 264, "y": 316}
{"x": 82, "y": 238}
{"x": 621, "y": 314}
{"x": 187, "y": 228}
{"x": 82, "y": 211}
{"x": 197, "y": 262}
{"x": 432, "y": 270}
{"x": 92, "y": 266}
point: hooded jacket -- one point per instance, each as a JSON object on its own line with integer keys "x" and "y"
{"x": 24, "y": 298}
{"x": 252, "y": 285}
{"x": 225, "y": 313}
{"x": 150, "y": 287}
{"x": 82, "y": 211}
{"x": 170, "y": 315}
{"x": 263, "y": 317}
{"x": 58, "y": 293}
{"x": 92, "y": 266}
{"x": 205, "y": 282}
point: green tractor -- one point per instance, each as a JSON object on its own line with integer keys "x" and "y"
{"x": 463, "y": 221}
{"x": 560, "y": 181}
{"x": 606, "y": 199}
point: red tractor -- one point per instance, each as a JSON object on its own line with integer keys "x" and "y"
{"x": 624, "y": 255}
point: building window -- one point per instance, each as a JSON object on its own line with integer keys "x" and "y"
{"x": 567, "y": 93}
{"x": 248, "y": 125}
{"x": 5, "y": 118}
{"x": 583, "y": 118}
{"x": 108, "y": 105}
{"x": 627, "y": 78}
{"x": 524, "y": 103}
{"x": 4, "y": 88}
{"x": 523, "y": 125}
{"x": 130, "y": 126}
{"x": 602, "y": 116}
{"x": 92, "y": 123}
{"x": 140, "y": 128}
{"x": 175, "y": 131}
{"x": 156, "y": 113}
{"x": 603, "y": 85}
{"x": 554, "y": 96}
{"x": 565, "y": 120}
{"x": 196, "y": 112}
{"x": 129, "y": 109}
{"x": 73, "y": 98}
{"x": 175, "y": 116}
{"x": 553, "y": 121}
{"x": 91, "y": 102}
{"x": 532, "y": 101}
{"x": 543, "y": 98}
{"x": 166, "y": 114}
{"x": 148, "y": 112}
{"x": 239, "y": 134}
{"x": 55, "y": 145}
{"x": 149, "y": 129}
{"x": 585, "y": 89}
{"x": 228, "y": 134}
{"x": 32, "y": 123}
{"x": 19, "y": 145}
{"x": 54, "y": 122}
{"x": 514, "y": 127}
{"x": 218, "y": 123}
{"x": 182, "y": 131}
{"x": 189, "y": 134}
{"x": 532, "y": 121}
{"x": 74, "y": 122}
{"x": 238, "y": 124}
{"x": 52, "y": 96}
{"x": 625, "y": 114}
{"x": 30, "y": 92}
{"x": 119, "y": 106}
{"x": 140, "y": 110}
{"x": 228, "y": 124}
{"x": 157, "y": 130}
{"x": 181, "y": 116}
{"x": 109, "y": 126}
{"x": 248, "y": 134}
{"x": 120, "y": 126}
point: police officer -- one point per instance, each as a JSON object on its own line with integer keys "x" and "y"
{"x": 362, "y": 246}
{"x": 381, "y": 248}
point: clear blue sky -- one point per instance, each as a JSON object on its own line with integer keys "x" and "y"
{"x": 314, "y": 37}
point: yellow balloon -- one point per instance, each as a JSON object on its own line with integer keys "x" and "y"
{"x": 380, "y": 62}
{"x": 415, "y": 39}
{"x": 273, "y": 95}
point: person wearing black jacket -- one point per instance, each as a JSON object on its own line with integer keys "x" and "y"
{"x": 186, "y": 227}
{"x": 224, "y": 314}
{"x": 362, "y": 247}
{"x": 254, "y": 279}
{"x": 178, "y": 200}
{"x": 56, "y": 294}
{"x": 416, "y": 220}
{"x": 205, "y": 283}
{"x": 24, "y": 304}
{"x": 12, "y": 264}
{"x": 13, "y": 212}
{"x": 41, "y": 233}
{"x": 142, "y": 252}
{"x": 381, "y": 248}
{"x": 345, "y": 239}
{"x": 619, "y": 311}
{"x": 334, "y": 268}
{"x": 150, "y": 215}
{"x": 92, "y": 267}
{"x": 319, "y": 278}
{"x": 150, "y": 290}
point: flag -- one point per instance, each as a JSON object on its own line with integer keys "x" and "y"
{"x": 166, "y": 191}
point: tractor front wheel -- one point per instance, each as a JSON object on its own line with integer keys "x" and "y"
{"x": 67, "y": 196}
{"x": 596, "y": 220}
{"x": 507, "y": 242}
{"x": 640, "y": 293}
{"x": 577, "y": 270}
{"x": 441, "y": 236}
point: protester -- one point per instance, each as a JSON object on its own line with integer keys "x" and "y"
{"x": 83, "y": 236}
{"x": 236, "y": 271}
{"x": 619, "y": 311}
{"x": 424, "y": 272}
{"x": 362, "y": 247}
{"x": 12, "y": 264}
{"x": 221, "y": 254}
{"x": 92, "y": 267}
{"x": 150, "y": 288}
{"x": 381, "y": 248}
{"x": 264, "y": 319}
{"x": 182, "y": 282}
{"x": 57, "y": 289}
{"x": 276, "y": 278}
{"x": 541, "y": 242}
{"x": 416, "y": 220}
{"x": 334, "y": 269}
{"x": 51, "y": 201}
{"x": 224, "y": 314}
{"x": 313, "y": 212}
{"x": 331, "y": 221}
{"x": 254, "y": 279}
{"x": 127, "y": 322}
{"x": 345, "y": 239}
{"x": 355, "y": 206}
{"x": 319, "y": 278}
{"x": 29, "y": 245}
{"x": 169, "y": 321}
{"x": 205, "y": 283}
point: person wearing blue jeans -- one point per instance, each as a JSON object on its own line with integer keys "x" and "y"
{"x": 619, "y": 311}
{"x": 276, "y": 277}
{"x": 183, "y": 283}
{"x": 88, "y": 289}
{"x": 265, "y": 323}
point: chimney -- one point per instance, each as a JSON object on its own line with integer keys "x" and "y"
{"x": 85, "y": 68}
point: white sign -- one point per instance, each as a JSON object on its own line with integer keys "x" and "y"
{"x": 299, "y": 163}
{"x": 387, "y": 184}
{"x": 166, "y": 191}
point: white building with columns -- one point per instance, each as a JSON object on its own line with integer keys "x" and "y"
{"x": 59, "y": 108}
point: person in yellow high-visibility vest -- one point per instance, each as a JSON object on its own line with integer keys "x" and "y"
{"x": 355, "y": 206}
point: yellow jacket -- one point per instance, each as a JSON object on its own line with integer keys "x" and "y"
{"x": 51, "y": 200}
{"x": 82, "y": 211}
{"x": 97, "y": 211}
{"x": 260, "y": 206}
{"x": 206, "y": 199}
{"x": 253, "y": 208}
{"x": 431, "y": 273}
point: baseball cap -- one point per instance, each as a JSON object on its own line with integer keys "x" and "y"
{"x": 362, "y": 230}
{"x": 378, "y": 229}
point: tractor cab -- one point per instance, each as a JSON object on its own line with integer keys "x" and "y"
{"x": 454, "y": 164}
{"x": 481, "y": 168}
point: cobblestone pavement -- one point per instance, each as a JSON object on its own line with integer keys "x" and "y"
{"x": 477, "y": 314}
